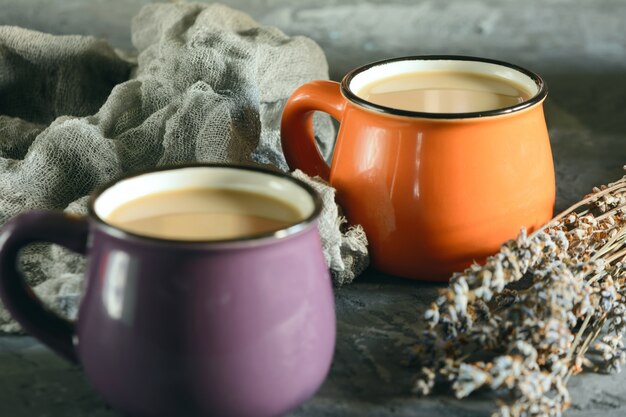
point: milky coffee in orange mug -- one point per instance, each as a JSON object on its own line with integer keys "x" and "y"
{"x": 440, "y": 158}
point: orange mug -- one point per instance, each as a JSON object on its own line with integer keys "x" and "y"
{"x": 433, "y": 191}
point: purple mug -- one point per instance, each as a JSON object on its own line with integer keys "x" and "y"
{"x": 239, "y": 327}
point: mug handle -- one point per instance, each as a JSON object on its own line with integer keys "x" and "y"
{"x": 296, "y": 130}
{"x": 38, "y": 320}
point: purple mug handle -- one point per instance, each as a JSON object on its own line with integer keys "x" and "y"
{"x": 37, "y": 319}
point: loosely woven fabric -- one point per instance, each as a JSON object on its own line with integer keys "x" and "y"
{"x": 206, "y": 83}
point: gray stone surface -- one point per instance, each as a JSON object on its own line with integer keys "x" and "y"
{"x": 578, "y": 46}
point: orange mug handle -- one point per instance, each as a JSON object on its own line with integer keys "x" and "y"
{"x": 296, "y": 130}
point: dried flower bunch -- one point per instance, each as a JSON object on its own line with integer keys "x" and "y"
{"x": 547, "y": 306}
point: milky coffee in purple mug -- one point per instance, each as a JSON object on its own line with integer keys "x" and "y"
{"x": 238, "y": 327}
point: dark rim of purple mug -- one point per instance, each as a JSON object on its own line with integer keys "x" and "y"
{"x": 255, "y": 238}
{"x": 541, "y": 94}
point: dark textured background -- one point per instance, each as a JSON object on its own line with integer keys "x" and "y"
{"x": 578, "y": 46}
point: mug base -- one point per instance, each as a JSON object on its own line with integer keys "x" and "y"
{"x": 426, "y": 274}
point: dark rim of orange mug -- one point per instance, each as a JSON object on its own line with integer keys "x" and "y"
{"x": 253, "y": 238}
{"x": 537, "y": 98}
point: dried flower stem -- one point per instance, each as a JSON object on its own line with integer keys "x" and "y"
{"x": 616, "y": 256}
{"x": 612, "y": 187}
{"x": 590, "y": 338}
{"x": 579, "y": 335}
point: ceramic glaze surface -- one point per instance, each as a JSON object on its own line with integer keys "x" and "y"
{"x": 434, "y": 192}
{"x": 208, "y": 329}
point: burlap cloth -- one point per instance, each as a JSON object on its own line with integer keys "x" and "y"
{"x": 207, "y": 83}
